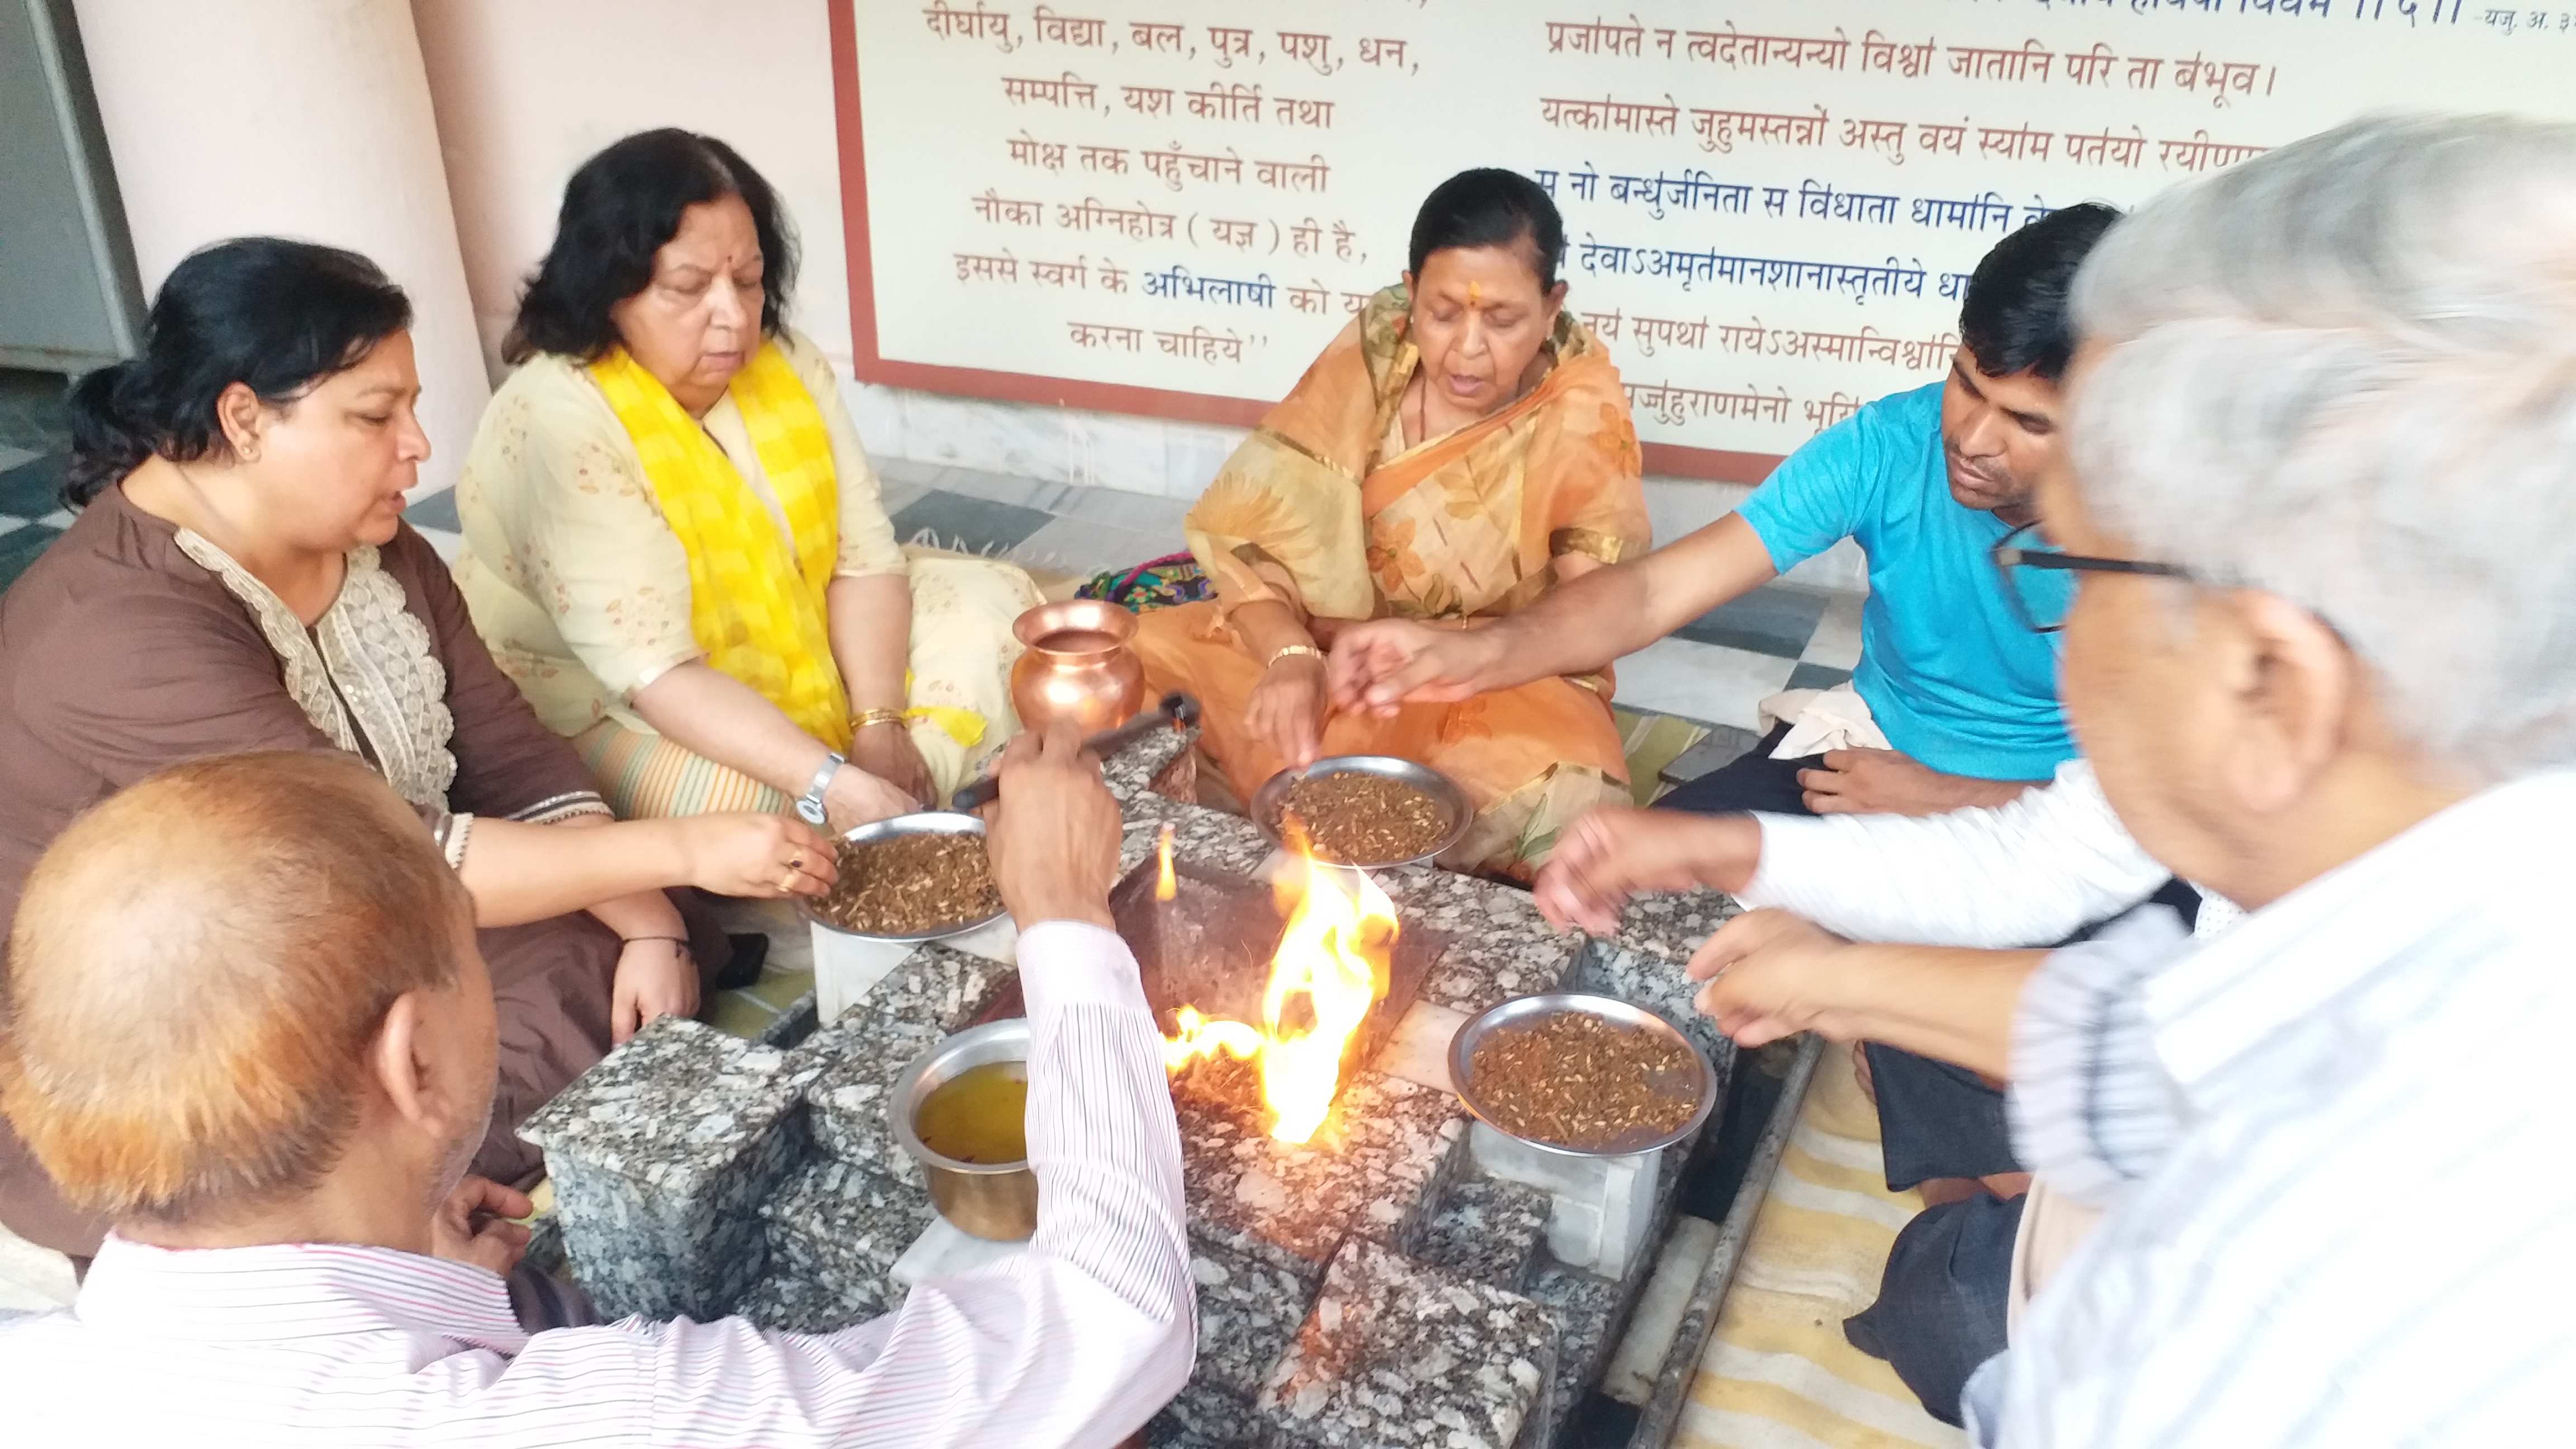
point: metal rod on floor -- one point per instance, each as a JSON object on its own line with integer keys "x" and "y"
{"x": 1663, "y": 1412}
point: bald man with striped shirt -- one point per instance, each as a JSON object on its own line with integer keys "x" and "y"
{"x": 245, "y": 1019}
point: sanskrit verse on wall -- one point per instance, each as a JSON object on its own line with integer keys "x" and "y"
{"x": 1772, "y": 209}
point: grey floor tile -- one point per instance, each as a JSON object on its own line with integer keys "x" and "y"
{"x": 1774, "y": 619}
{"x": 1836, "y": 642}
{"x": 1707, "y": 682}
{"x": 438, "y": 510}
{"x": 19, "y": 549}
{"x": 1816, "y": 676}
{"x": 1724, "y": 745}
{"x": 34, "y": 489}
{"x": 1144, "y": 513}
{"x": 31, "y": 410}
{"x": 1003, "y": 488}
{"x": 1081, "y": 546}
{"x": 908, "y": 470}
{"x": 975, "y": 525}
{"x": 896, "y": 497}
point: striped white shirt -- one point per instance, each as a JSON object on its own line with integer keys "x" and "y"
{"x": 2334, "y": 1144}
{"x": 1075, "y": 1342}
{"x": 2024, "y": 873}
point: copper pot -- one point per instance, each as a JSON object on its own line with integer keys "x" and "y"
{"x": 1079, "y": 665}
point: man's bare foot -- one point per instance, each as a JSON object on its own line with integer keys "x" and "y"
{"x": 1937, "y": 1191}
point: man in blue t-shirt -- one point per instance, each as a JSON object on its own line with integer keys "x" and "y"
{"x": 1927, "y": 482}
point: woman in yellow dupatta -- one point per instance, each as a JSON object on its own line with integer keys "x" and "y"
{"x": 674, "y": 542}
{"x": 1461, "y": 448}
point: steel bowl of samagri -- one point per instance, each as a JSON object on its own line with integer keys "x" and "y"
{"x": 1270, "y": 802}
{"x": 1676, "y": 1077}
{"x": 922, "y": 822}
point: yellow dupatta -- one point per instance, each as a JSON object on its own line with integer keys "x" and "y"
{"x": 755, "y": 598}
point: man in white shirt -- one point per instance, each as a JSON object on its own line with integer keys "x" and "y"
{"x": 245, "y": 1019}
{"x": 2323, "y": 657}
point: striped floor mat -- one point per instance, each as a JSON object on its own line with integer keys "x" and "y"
{"x": 1778, "y": 1373}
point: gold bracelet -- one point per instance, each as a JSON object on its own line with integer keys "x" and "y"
{"x": 1285, "y": 651}
{"x": 867, "y": 717}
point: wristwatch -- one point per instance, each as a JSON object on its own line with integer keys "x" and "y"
{"x": 810, "y": 808}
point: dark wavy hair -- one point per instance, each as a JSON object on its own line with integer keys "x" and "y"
{"x": 274, "y": 315}
{"x": 1489, "y": 207}
{"x": 2015, "y": 318}
{"x": 620, "y": 208}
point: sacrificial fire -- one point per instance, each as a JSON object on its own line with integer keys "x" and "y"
{"x": 1330, "y": 968}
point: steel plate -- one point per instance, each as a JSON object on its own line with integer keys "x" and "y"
{"x": 1528, "y": 1011}
{"x": 1444, "y": 792}
{"x": 921, "y": 822}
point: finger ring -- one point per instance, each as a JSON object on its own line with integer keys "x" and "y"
{"x": 788, "y": 883}
{"x": 795, "y": 862}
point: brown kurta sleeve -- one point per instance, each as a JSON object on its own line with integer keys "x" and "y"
{"x": 508, "y": 763}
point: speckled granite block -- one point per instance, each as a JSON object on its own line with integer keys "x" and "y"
{"x": 1398, "y": 1354}
{"x": 1672, "y": 927}
{"x": 1488, "y": 1230}
{"x": 661, "y": 1156}
{"x": 1658, "y": 985}
{"x": 1202, "y": 836}
{"x": 1167, "y": 1430}
{"x": 840, "y": 1228}
{"x": 788, "y": 1301}
{"x": 860, "y": 1056}
{"x": 1248, "y": 1311}
{"x": 1499, "y": 946}
{"x": 937, "y": 986}
{"x": 792, "y": 1025}
{"x": 1376, "y": 1168}
{"x": 1585, "y": 1311}
{"x": 1131, "y": 771}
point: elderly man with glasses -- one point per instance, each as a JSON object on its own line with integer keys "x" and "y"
{"x": 2319, "y": 647}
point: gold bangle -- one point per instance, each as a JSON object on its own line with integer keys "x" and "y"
{"x": 867, "y": 717}
{"x": 1285, "y": 651}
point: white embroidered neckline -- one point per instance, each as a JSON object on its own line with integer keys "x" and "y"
{"x": 367, "y": 656}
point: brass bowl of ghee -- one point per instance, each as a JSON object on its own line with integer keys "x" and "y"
{"x": 960, "y": 1110}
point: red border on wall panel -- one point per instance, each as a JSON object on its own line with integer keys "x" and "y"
{"x": 1023, "y": 387}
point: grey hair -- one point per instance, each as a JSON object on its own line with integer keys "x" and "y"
{"x": 2344, "y": 372}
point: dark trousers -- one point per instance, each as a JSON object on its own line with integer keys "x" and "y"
{"x": 1750, "y": 781}
{"x": 1941, "y": 1301}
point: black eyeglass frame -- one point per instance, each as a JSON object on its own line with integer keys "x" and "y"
{"x": 2008, "y": 555}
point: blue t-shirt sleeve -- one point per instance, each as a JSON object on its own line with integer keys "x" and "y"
{"x": 1820, "y": 494}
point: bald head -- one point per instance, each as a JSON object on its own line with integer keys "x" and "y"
{"x": 197, "y": 970}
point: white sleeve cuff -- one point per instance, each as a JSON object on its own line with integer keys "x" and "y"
{"x": 1070, "y": 963}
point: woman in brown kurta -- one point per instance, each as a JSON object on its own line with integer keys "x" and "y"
{"x": 241, "y": 580}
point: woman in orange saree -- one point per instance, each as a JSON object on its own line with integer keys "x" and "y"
{"x": 1462, "y": 448}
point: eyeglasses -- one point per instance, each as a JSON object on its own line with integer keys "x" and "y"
{"x": 2039, "y": 578}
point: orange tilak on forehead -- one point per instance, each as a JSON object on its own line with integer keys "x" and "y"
{"x": 1475, "y": 293}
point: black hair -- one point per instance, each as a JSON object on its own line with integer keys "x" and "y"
{"x": 620, "y": 208}
{"x": 2014, "y": 318}
{"x": 1489, "y": 207}
{"x": 274, "y": 315}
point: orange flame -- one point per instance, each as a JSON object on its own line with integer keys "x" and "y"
{"x": 1332, "y": 958}
{"x": 1165, "y": 887}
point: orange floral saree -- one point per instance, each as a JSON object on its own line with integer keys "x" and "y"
{"x": 1325, "y": 508}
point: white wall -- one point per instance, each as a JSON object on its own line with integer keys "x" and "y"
{"x": 302, "y": 118}
{"x": 527, "y": 92}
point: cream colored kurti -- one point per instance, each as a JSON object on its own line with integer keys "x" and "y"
{"x": 582, "y": 593}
